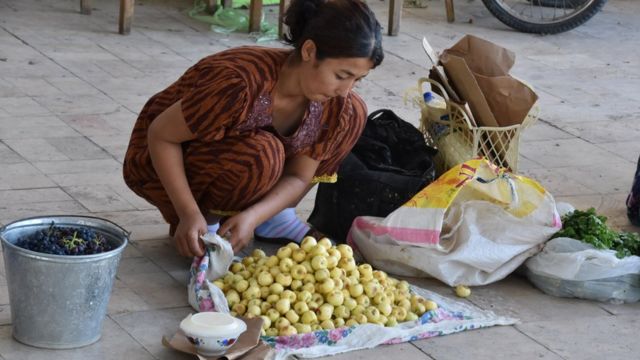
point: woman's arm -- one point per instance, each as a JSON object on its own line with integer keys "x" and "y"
{"x": 165, "y": 136}
{"x": 294, "y": 183}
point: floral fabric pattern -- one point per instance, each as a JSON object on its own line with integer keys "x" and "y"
{"x": 451, "y": 317}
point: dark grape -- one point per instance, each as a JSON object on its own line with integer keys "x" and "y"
{"x": 65, "y": 240}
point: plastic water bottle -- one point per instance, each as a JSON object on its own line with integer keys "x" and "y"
{"x": 435, "y": 108}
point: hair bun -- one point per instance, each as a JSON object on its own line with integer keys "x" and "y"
{"x": 298, "y": 15}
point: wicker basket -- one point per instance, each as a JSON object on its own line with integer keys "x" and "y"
{"x": 459, "y": 139}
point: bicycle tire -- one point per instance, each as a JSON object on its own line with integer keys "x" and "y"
{"x": 497, "y": 8}
{"x": 553, "y": 3}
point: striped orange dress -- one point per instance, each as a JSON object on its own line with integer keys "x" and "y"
{"x": 237, "y": 156}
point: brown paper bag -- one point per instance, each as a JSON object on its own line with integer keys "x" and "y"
{"x": 247, "y": 347}
{"x": 465, "y": 84}
{"x": 485, "y": 83}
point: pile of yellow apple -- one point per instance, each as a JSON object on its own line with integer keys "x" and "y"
{"x": 315, "y": 286}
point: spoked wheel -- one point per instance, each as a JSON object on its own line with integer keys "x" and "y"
{"x": 544, "y": 16}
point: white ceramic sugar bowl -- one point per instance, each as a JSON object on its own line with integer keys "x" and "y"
{"x": 212, "y": 333}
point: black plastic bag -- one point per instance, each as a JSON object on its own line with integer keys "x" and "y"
{"x": 388, "y": 165}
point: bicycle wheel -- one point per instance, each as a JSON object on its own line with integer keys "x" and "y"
{"x": 543, "y": 16}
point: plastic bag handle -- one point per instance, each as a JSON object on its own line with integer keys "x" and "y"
{"x": 515, "y": 200}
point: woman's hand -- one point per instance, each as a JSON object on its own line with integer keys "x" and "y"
{"x": 188, "y": 232}
{"x": 238, "y": 229}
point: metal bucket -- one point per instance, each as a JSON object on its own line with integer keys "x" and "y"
{"x": 59, "y": 301}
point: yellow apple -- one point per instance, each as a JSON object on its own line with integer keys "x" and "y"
{"x": 272, "y": 261}
{"x": 325, "y": 242}
{"x": 288, "y": 294}
{"x": 266, "y": 322}
{"x": 321, "y": 274}
{"x": 345, "y": 250}
{"x": 296, "y": 284}
{"x": 299, "y": 255}
{"x": 308, "y": 317}
{"x": 258, "y": 253}
{"x": 308, "y": 243}
{"x": 285, "y": 265}
{"x": 325, "y": 311}
{"x": 335, "y": 297}
{"x": 292, "y": 316}
{"x": 301, "y": 307}
{"x": 273, "y": 315}
{"x": 284, "y": 279}
{"x": 284, "y": 253}
{"x": 334, "y": 252}
{"x": 283, "y": 305}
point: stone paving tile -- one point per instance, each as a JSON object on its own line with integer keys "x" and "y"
{"x": 148, "y": 328}
{"x": 91, "y": 125}
{"x": 78, "y": 148}
{"x": 78, "y": 166}
{"x": 36, "y": 149}
{"x": 5, "y": 315}
{"x": 34, "y": 86}
{"x": 115, "y": 344}
{"x": 515, "y": 297}
{"x": 98, "y": 198}
{"x": 561, "y": 152}
{"x": 542, "y": 130}
{"x": 21, "y": 106}
{"x": 88, "y": 179}
{"x": 556, "y": 183}
{"x": 133, "y": 199}
{"x": 11, "y": 197}
{"x": 4, "y": 292}
{"x": 125, "y": 300}
{"x": 589, "y": 337}
{"x": 628, "y": 150}
{"x": 116, "y": 145}
{"x": 615, "y": 130}
{"x": 618, "y": 177}
{"x": 164, "y": 254}
{"x": 499, "y": 342}
{"x": 19, "y": 211}
{"x": 22, "y": 176}
{"x": 71, "y": 85}
{"x": 8, "y": 156}
{"x": 32, "y": 127}
{"x": 400, "y": 351}
{"x": 621, "y": 309}
{"x": 78, "y": 104}
{"x": 7, "y": 89}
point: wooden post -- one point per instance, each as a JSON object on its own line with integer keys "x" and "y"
{"x": 126, "y": 16}
{"x": 211, "y": 6}
{"x": 284, "y": 4}
{"x": 451, "y": 15}
{"x": 227, "y": 4}
{"x": 395, "y": 12}
{"x": 255, "y": 15}
{"x": 85, "y": 7}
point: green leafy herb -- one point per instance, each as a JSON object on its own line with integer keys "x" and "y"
{"x": 591, "y": 228}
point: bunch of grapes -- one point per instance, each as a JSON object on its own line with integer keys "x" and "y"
{"x": 65, "y": 240}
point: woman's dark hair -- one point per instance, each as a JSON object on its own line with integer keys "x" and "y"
{"x": 339, "y": 29}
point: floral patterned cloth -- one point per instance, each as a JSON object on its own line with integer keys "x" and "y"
{"x": 451, "y": 317}
{"x": 203, "y": 295}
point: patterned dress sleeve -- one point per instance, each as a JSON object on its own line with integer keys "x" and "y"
{"x": 215, "y": 101}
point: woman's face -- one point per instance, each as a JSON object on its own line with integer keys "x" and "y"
{"x": 324, "y": 79}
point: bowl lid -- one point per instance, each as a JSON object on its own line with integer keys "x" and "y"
{"x": 212, "y": 324}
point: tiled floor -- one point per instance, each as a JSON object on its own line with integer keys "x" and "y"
{"x": 70, "y": 89}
